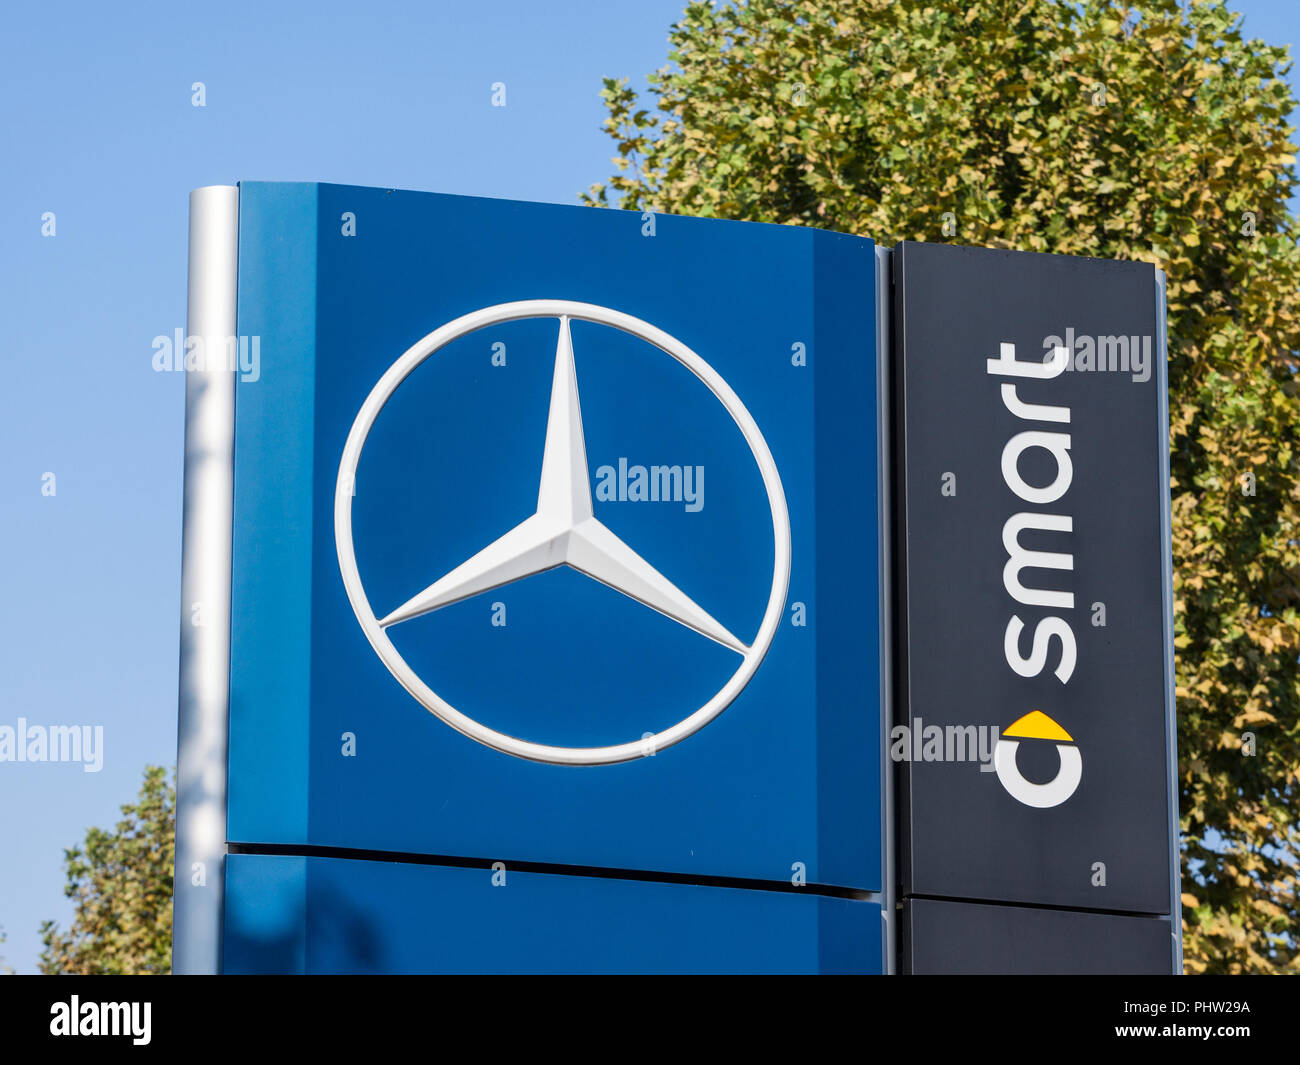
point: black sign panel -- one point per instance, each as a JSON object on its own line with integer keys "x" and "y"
{"x": 962, "y": 938}
{"x": 1033, "y": 605}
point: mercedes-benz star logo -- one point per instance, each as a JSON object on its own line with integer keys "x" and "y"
{"x": 563, "y": 531}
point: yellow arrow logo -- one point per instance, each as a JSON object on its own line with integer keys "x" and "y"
{"x": 1036, "y": 725}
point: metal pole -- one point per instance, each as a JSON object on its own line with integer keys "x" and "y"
{"x": 205, "y": 581}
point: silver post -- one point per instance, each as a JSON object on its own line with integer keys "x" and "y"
{"x": 205, "y": 584}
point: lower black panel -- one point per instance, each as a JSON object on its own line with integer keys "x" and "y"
{"x": 968, "y": 937}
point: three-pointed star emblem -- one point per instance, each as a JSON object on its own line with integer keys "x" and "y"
{"x": 564, "y": 531}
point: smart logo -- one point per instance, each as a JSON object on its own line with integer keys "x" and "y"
{"x": 1036, "y": 725}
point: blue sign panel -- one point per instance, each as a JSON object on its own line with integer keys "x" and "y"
{"x": 556, "y": 540}
{"x": 318, "y": 915}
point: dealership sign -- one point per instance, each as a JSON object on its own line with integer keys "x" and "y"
{"x": 553, "y": 591}
{"x": 1032, "y": 546}
{"x": 551, "y": 614}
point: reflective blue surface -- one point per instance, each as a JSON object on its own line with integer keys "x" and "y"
{"x": 318, "y": 915}
{"x": 788, "y": 777}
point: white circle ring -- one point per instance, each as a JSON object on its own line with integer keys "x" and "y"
{"x": 540, "y": 752}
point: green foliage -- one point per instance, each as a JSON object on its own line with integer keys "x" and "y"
{"x": 1152, "y": 132}
{"x": 122, "y": 884}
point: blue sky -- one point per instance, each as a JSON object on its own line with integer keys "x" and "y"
{"x": 97, "y": 126}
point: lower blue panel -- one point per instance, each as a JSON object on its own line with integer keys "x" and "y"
{"x": 333, "y": 915}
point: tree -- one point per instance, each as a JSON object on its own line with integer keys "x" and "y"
{"x": 1152, "y": 132}
{"x": 122, "y": 883}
